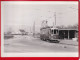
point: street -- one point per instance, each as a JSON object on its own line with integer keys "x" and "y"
{"x": 27, "y": 43}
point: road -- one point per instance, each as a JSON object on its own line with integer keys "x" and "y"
{"x": 30, "y": 44}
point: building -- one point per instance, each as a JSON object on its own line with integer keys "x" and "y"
{"x": 68, "y": 33}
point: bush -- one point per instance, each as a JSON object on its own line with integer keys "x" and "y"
{"x": 8, "y": 36}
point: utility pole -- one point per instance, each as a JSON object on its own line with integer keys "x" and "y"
{"x": 55, "y": 17}
{"x": 34, "y": 28}
{"x": 53, "y": 24}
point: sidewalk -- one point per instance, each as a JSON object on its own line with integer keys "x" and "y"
{"x": 69, "y": 42}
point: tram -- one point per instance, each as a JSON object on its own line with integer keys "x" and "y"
{"x": 50, "y": 34}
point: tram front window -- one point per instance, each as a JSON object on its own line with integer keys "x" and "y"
{"x": 55, "y": 31}
{"x": 52, "y": 31}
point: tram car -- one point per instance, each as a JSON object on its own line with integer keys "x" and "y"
{"x": 50, "y": 34}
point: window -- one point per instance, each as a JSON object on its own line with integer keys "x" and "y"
{"x": 55, "y": 31}
{"x": 52, "y": 31}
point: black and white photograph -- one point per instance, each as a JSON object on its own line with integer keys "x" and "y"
{"x": 42, "y": 29}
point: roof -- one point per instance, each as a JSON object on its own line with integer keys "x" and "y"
{"x": 51, "y": 27}
{"x": 54, "y": 28}
{"x": 69, "y": 29}
{"x": 59, "y": 28}
{"x": 45, "y": 27}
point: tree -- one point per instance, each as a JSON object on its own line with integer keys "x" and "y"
{"x": 9, "y": 31}
{"x": 23, "y": 32}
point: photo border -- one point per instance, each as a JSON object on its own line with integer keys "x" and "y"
{"x": 40, "y": 58}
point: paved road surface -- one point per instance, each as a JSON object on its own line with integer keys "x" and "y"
{"x": 31, "y": 44}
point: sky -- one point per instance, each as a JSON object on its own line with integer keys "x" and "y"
{"x": 22, "y": 15}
